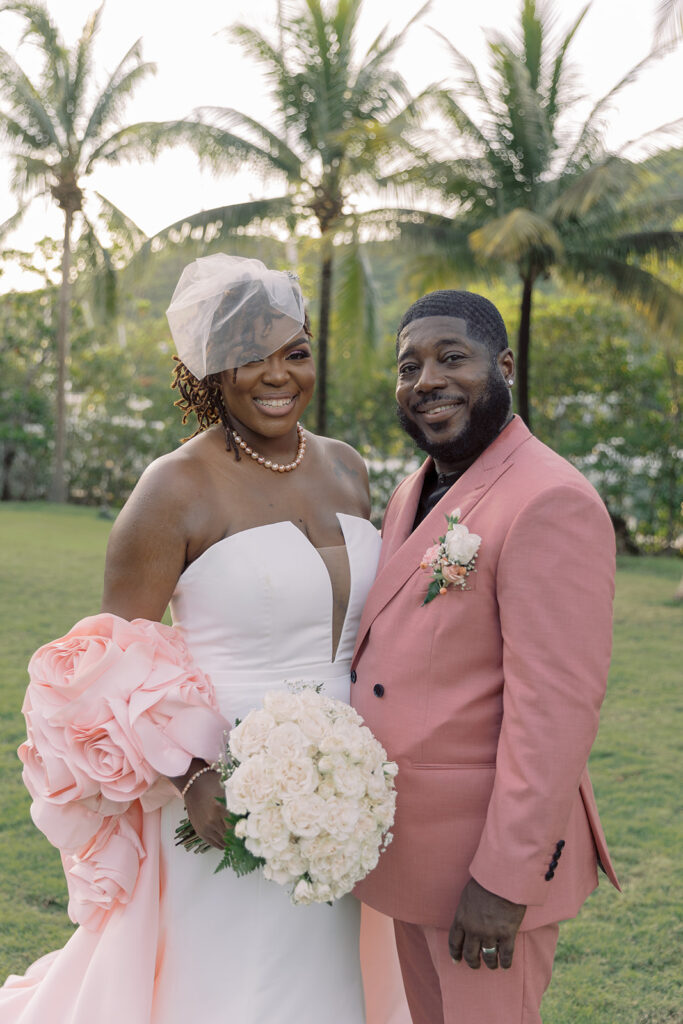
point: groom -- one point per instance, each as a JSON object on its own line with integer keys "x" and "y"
{"x": 488, "y": 696}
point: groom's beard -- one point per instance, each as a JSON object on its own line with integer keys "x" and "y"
{"x": 487, "y": 418}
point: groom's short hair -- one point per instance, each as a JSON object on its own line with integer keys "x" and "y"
{"x": 484, "y": 322}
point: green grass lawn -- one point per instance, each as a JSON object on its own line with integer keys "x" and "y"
{"x": 618, "y": 963}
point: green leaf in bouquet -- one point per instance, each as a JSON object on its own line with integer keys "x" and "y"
{"x": 235, "y": 853}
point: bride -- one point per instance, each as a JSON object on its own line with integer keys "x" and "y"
{"x": 257, "y": 533}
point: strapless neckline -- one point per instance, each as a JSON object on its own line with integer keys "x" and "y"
{"x": 269, "y": 526}
{"x": 271, "y": 584}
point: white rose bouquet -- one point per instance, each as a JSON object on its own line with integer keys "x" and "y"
{"x": 450, "y": 561}
{"x": 309, "y": 795}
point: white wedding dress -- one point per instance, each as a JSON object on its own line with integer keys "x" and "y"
{"x": 256, "y": 612}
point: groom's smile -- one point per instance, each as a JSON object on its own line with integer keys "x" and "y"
{"x": 452, "y": 394}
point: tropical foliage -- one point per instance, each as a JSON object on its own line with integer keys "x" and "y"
{"x": 535, "y": 193}
{"x": 59, "y": 127}
{"x": 605, "y": 390}
{"x": 339, "y": 118}
{"x": 523, "y": 192}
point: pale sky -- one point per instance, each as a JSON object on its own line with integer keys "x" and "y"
{"x": 198, "y": 65}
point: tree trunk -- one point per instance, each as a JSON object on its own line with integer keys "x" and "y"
{"x": 323, "y": 333}
{"x": 672, "y": 468}
{"x": 58, "y": 488}
{"x": 8, "y": 458}
{"x": 523, "y": 345}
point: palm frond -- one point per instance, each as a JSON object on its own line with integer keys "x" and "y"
{"x": 82, "y": 62}
{"x": 15, "y": 219}
{"x": 26, "y": 102}
{"x": 432, "y": 232}
{"x": 646, "y": 243}
{"x": 657, "y": 301}
{"x": 381, "y": 49}
{"x": 128, "y": 235}
{"x": 430, "y": 269}
{"x": 38, "y": 27}
{"x": 669, "y": 21}
{"x": 672, "y": 130}
{"x": 591, "y": 129}
{"x": 559, "y": 69}
{"x": 532, "y": 42}
{"x": 358, "y": 297}
{"x": 469, "y": 80}
{"x": 512, "y": 237}
{"x": 37, "y": 22}
{"x": 145, "y": 139}
{"x": 222, "y": 221}
{"x": 130, "y": 70}
{"x": 262, "y": 52}
{"x": 30, "y": 174}
{"x": 382, "y": 45}
{"x": 95, "y": 254}
{"x": 524, "y": 127}
{"x": 603, "y": 183}
{"x": 268, "y": 143}
{"x": 449, "y": 106}
{"x": 14, "y": 131}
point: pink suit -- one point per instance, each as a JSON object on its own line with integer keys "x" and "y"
{"x": 489, "y": 698}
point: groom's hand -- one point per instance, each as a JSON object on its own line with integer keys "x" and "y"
{"x": 483, "y": 921}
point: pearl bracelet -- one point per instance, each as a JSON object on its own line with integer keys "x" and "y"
{"x": 193, "y": 778}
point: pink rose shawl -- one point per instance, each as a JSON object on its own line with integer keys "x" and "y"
{"x": 111, "y": 709}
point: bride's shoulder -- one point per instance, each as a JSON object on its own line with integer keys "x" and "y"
{"x": 346, "y": 466}
{"x": 166, "y": 493}
{"x": 176, "y": 474}
{"x": 334, "y": 450}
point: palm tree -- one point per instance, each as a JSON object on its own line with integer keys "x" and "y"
{"x": 338, "y": 116}
{"x": 534, "y": 195}
{"x": 58, "y": 130}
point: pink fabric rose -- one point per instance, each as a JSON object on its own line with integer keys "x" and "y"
{"x": 110, "y": 707}
{"x": 103, "y": 873}
{"x": 71, "y": 826}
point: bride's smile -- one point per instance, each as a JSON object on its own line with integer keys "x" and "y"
{"x": 266, "y": 397}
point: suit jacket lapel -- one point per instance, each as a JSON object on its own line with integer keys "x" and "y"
{"x": 406, "y": 548}
{"x": 402, "y": 513}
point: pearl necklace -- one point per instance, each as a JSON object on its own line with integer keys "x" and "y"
{"x": 268, "y": 463}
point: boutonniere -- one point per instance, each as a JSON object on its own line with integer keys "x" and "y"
{"x": 452, "y": 559}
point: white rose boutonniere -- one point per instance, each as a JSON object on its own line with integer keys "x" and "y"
{"x": 450, "y": 561}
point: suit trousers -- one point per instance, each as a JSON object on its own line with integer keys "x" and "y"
{"x": 440, "y": 991}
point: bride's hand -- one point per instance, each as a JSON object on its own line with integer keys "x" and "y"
{"x": 206, "y": 813}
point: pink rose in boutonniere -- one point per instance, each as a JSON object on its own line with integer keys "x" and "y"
{"x": 450, "y": 562}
